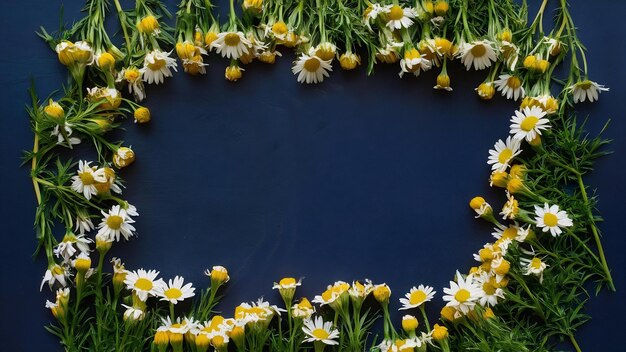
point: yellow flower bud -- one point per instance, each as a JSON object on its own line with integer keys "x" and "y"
{"x": 202, "y": 342}
{"x": 502, "y": 268}
{"x": 515, "y": 185}
{"x": 326, "y": 51}
{"x": 254, "y": 6}
{"x": 82, "y": 264}
{"x": 477, "y": 202}
{"x": 233, "y": 73}
{"x": 106, "y": 61}
{"x": 499, "y": 179}
{"x": 268, "y": 57}
{"x": 382, "y": 293}
{"x": 161, "y": 340}
{"x": 54, "y": 111}
{"x": 176, "y": 340}
{"x": 530, "y": 62}
{"x": 428, "y": 6}
{"x": 209, "y": 38}
{"x": 148, "y": 25}
{"x": 439, "y": 332}
{"x": 542, "y": 65}
{"x": 486, "y": 90}
{"x": 237, "y": 334}
{"x": 219, "y": 275}
{"x": 142, "y": 115}
{"x": 441, "y": 7}
{"x": 64, "y": 52}
{"x": 280, "y": 28}
{"x": 488, "y": 314}
{"x": 506, "y": 35}
{"x": 123, "y": 157}
{"x": 518, "y": 171}
{"x": 409, "y": 323}
{"x": 349, "y": 61}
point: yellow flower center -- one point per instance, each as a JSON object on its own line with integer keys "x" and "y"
{"x": 114, "y": 222}
{"x": 462, "y": 295}
{"x": 312, "y": 64}
{"x": 417, "y": 297}
{"x": 584, "y": 85}
{"x": 173, "y": 293}
{"x": 536, "y": 263}
{"x": 510, "y": 233}
{"x": 505, "y": 155}
{"x": 131, "y": 75}
{"x": 529, "y": 123}
{"x": 86, "y": 178}
{"x": 478, "y": 50}
{"x": 143, "y": 284}
{"x": 320, "y": 334}
{"x": 396, "y": 13}
{"x": 280, "y": 28}
{"x": 288, "y": 281}
{"x": 550, "y": 220}
{"x": 489, "y": 288}
{"x": 232, "y": 39}
{"x": 157, "y": 64}
{"x": 514, "y": 82}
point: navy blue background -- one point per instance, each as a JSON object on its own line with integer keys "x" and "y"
{"x": 357, "y": 177}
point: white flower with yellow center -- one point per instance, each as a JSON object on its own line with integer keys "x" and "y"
{"x": 231, "y": 45}
{"x": 586, "y": 90}
{"x": 490, "y": 290}
{"x": 479, "y": 53}
{"x": 417, "y": 296}
{"x": 83, "y": 223}
{"x": 134, "y": 77}
{"x": 55, "y": 273}
{"x": 551, "y": 218}
{"x": 174, "y": 291}
{"x": 523, "y": 233}
{"x": 462, "y": 294}
{"x": 510, "y": 86}
{"x": 528, "y": 123}
{"x": 510, "y": 53}
{"x": 510, "y": 209}
{"x": 373, "y": 11}
{"x": 310, "y": 68}
{"x": 414, "y": 62}
{"x": 133, "y": 313}
{"x": 359, "y": 291}
{"x": 319, "y": 331}
{"x": 68, "y": 247}
{"x": 86, "y": 178}
{"x": 157, "y": 65}
{"x": 398, "y": 17}
{"x": 534, "y": 266}
{"x": 302, "y": 310}
{"x": 333, "y": 293}
{"x": 115, "y": 223}
{"x": 143, "y": 283}
{"x": 503, "y": 152}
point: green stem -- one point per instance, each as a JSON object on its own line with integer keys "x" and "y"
{"x": 596, "y": 233}
{"x": 574, "y": 343}
{"x": 122, "y": 17}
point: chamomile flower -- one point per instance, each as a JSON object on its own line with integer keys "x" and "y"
{"x": 534, "y": 266}
{"x": 318, "y": 330}
{"x": 174, "y": 291}
{"x": 510, "y": 86}
{"x": 490, "y": 290}
{"x": 157, "y": 65}
{"x": 86, "y": 178}
{"x": 64, "y": 137}
{"x": 134, "y": 77}
{"x": 287, "y": 287}
{"x": 83, "y": 224}
{"x": 586, "y": 90}
{"x": 55, "y": 273}
{"x": 231, "y": 45}
{"x": 310, "y": 68}
{"x": 502, "y": 153}
{"x": 398, "y": 17}
{"x": 551, "y": 218}
{"x": 115, "y": 223}
{"x": 510, "y": 53}
{"x": 479, "y": 53}
{"x": 417, "y": 296}
{"x": 413, "y": 62}
{"x": 333, "y": 294}
{"x": 133, "y": 313}
{"x": 373, "y": 11}
{"x": 143, "y": 283}
{"x": 71, "y": 243}
{"x": 510, "y": 208}
{"x": 528, "y": 123}
{"x": 302, "y": 310}
{"x": 462, "y": 294}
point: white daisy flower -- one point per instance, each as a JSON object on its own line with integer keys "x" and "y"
{"x": 302, "y": 310}
{"x": 360, "y": 291}
{"x": 414, "y": 62}
{"x": 398, "y": 17}
{"x": 55, "y": 273}
{"x": 586, "y": 90}
{"x": 231, "y": 45}
{"x": 534, "y": 266}
{"x": 67, "y": 138}
{"x": 510, "y": 53}
{"x": 528, "y": 123}
{"x": 490, "y": 292}
{"x": 157, "y": 65}
{"x": 318, "y": 330}
{"x": 551, "y": 218}
{"x": 83, "y": 224}
{"x": 522, "y": 234}
{"x": 174, "y": 291}
{"x": 502, "y": 153}
{"x": 310, "y": 68}
{"x": 143, "y": 283}
{"x": 510, "y": 86}
{"x": 373, "y": 11}
{"x": 462, "y": 294}
{"x": 71, "y": 243}
{"x": 133, "y": 314}
{"x": 479, "y": 53}
{"x": 417, "y": 296}
{"x": 86, "y": 178}
{"x": 115, "y": 223}
{"x": 510, "y": 209}
{"x": 134, "y": 77}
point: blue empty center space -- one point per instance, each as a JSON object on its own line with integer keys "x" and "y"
{"x": 340, "y": 181}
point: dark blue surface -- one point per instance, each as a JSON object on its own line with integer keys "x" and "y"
{"x": 358, "y": 177}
